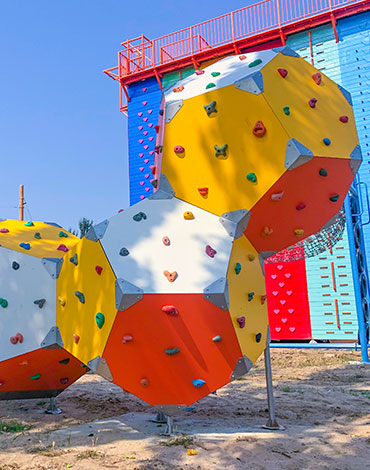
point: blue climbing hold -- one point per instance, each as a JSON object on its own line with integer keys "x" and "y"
{"x": 326, "y": 141}
{"x": 25, "y": 246}
{"x": 198, "y": 383}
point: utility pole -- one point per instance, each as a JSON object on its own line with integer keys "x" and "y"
{"x": 21, "y": 202}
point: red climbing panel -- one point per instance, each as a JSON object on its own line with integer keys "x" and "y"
{"x": 287, "y": 300}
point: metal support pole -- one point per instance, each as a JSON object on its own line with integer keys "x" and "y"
{"x": 169, "y": 427}
{"x": 160, "y": 418}
{"x": 53, "y": 409}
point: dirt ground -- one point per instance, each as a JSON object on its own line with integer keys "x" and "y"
{"x": 322, "y": 399}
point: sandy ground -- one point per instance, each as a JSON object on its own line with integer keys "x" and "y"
{"x": 322, "y": 399}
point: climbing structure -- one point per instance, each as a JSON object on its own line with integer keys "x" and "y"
{"x": 33, "y": 362}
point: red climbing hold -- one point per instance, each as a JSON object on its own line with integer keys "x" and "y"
{"x": 170, "y": 310}
{"x": 171, "y": 277}
{"x": 283, "y": 72}
{"x": 199, "y": 72}
{"x": 98, "y": 269}
{"x": 76, "y": 338}
{"x": 144, "y": 382}
{"x": 317, "y": 77}
{"x": 300, "y": 206}
{"x": 210, "y": 251}
{"x": 121, "y": 210}
{"x": 4, "y": 230}
{"x": 259, "y": 130}
{"x": 156, "y": 129}
{"x": 178, "y": 89}
{"x": 263, "y": 299}
{"x": 19, "y": 337}
{"x": 242, "y": 57}
{"x": 13, "y": 339}
{"x": 127, "y": 339}
{"x": 312, "y": 103}
{"x": 203, "y": 191}
{"x": 153, "y": 170}
{"x": 62, "y": 248}
{"x": 179, "y": 149}
{"x": 343, "y": 119}
{"x": 166, "y": 241}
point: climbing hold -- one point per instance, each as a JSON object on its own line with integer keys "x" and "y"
{"x": 210, "y": 85}
{"x": 210, "y": 108}
{"x": 258, "y": 337}
{"x": 76, "y": 338}
{"x": 334, "y": 198}
{"x": 29, "y": 224}
{"x": 241, "y": 322}
{"x": 215, "y": 74}
{"x": 139, "y": 216}
{"x": 250, "y": 296}
{"x": 177, "y": 89}
{"x": 4, "y": 230}
{"x": 263, "y": 299}
{"x": 255, "y": 63}
{"x": 221, "y": 151}
{"x": 74, "y": 259}
{"x": 64, "y": 380}
{"x": 252, "y": 177}
{"x": 199, "y": 72}
{"x": 198, "y": 383}
{"x": 35, "y": 377}
{"x": 326, "y": 141}
{"x": 25, "y": 246}
{"x": 39, "y": 302}
{"x": 216, "y": 339}
{"x": 124, "y": 252}
{"x": 80, "y": 296}
{"x": 300, "y": 206}
{"x": 3, "y": 302}
{"x": 13, "y": 339}
{"x": 127, "y": 339}
{"x": 203, "y": 191}
{"x": 237, "y": 268}
{"x": 19, "y": 337}
{"x": 170, "y": 310}
{"x": 188, "y": 215}
{"x": 154, "y": 183}
{"x": 62, "y": 301}
{"x": 98, "y": 269}
{"x": 283, "y": 72}
{"x": 251, "y": 257}
{"x": 210, "y": 251}
{"x": 312, "y": 102}
{"x": 323, "y": 172}
{"x": 63, "y": 235}
{"x": 286, "y": 110}
{"x": 64, "y": 361}
{"x": 172, "y": 351}
{"x": 144, "y": 382}
{"x": 100, "y": 319}
{"x": 171, "y": 277}
{"x": 158, "y": 148}
{"x": 259, "y": 130}
{"x": 62, "y": 248}
{"x": 277, "y": 196}
{"x": 15, "y": 265}
{"x": 37, "y": 235}
{"x": 317, "y": 77}
{"x": 266, "y": 231}
{"x": 242, "y": 57}
{"x": 298, "y": 232}
{"x": 166, "y": 241}
{"x": 343, "y": 119}
{"x": 161, "y": 112}
{"x": 179, "y": 150}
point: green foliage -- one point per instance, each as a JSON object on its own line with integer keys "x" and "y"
{"x": 184, "y": 441}
{"x": 13, "y": 426}
{"x": 85, "y": 225}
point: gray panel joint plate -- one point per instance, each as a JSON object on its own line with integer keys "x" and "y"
{"x": 264, "y": 255}
{"x": 53, "y": 224}
{"x": 53, "y": 340}
{"x": 235, "y": 222}
{"x": 346, "y": 94}
{"x": 356, "y": 159}
{"x": 97, "y": 232}
{"x": 252, "y": 83}
{"x": 52, "y": 266}
{"x": 296, "y": 154}
{"x": 100, "y": 366}
{"x": 242, "y": 367}
{"x": 170, "y": 410}
{"x": 164, "y": 191}
{"x": 127, "y": 294}
{"x": 285, "y": 50}
{"x": 218, "y": 293}
{"x": 172, "y": 108}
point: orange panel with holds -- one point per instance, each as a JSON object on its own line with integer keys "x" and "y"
{"x": 163, "y": 343}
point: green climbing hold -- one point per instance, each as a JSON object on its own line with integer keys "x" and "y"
{"x": 80, "y": 296}
{"x": 172, "y": 351}
{"x": 210, "y": 85}
{"x": 237, "y": 268}
{"x": 323, "y": 172}
{"x": 35, "y": 377}
{"x": 37, "y": 235}
{"x": 252, "y": 177}
{"x": 100, "y": 319}
{"x": 29, "y": 224}
{"x": 64, "y": 361}
{"x": 286, "y": 110}
{"x": 3, "y": 302}
{"x": 334, "y": 197}
{"x": 255, "y": 63}
{"x": 74, "y": 259}
{"x": 221, "y": 151}
{"x": 250, "y": 296}
{"x": 215, "y": 74}
{"x": 63, "y": 234}
{"x": 210, "y": 108}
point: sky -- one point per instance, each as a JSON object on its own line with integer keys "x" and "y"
{"x": 61, "y": 132}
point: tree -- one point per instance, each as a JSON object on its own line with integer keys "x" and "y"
{"x": 84, "y": 225}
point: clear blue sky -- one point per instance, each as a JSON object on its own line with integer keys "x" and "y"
{"x": 61, "y": 132}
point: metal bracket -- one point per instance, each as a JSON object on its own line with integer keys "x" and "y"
{"x": 242, "y": 367}
{"x": 164, "y": 190}
{"x": 97, "y": 232}
{"x": 52, "y": 266}
{"x": 53, "y": 340}
{"x": 264, "y": 255}
{"x": 218, "y": 293}
{"x": 172, "y": 108}
{"x": 252, "y": 83}
{"x": 100, "y": 366}
{"x": 127, "y": 294}
{"x": 356, "y": 159}
{"x": 235, "y": 222}
{"x": 285, "y": 50}
{"x": 346, "y": 94}
{"x": 296, "y": 154}
{"x": 170, "y": 410}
